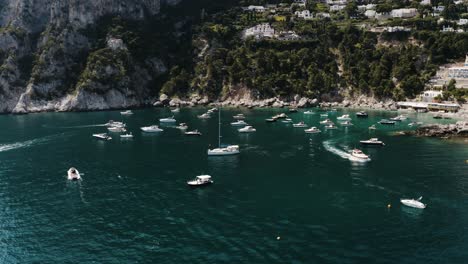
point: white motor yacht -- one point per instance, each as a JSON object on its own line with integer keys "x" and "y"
{"x": 167, "y": 120}
{"x": 361, "y": 114}
{"x": 326, "y": 122}
{"x": 201, "y": 180}
{"x": 193, "y": 133}
{"x": 312, "y": 130}
{"x": 102, "y": 136}
{"x": 204, "y": 116}
{"x": 387, "y": 122}
{"x": 182, "y": 126}
{"x": 175, "y": 110}
{"x": 331, "y": 126}
{"x": 300, "y": 124}
{"x": 247, "y": 129}
{"x": 128, "y": 112}
{"x": 344, "y": 118}
{"x": 239, "y": 117}
{"x": 116, "y": 129}
{"x": 346, "y": 123}
{"x": 151, "y": 129}
{"x": 357, "y": 153}
{"x": 127, "y": 136}
{"x": 287, "y": 120}
{"x": 372, "y": 141}
{"x": 73, "y": 174}
{"x": 413, "y": 203}
{"x": 112, "y": 123}
{"x": 239, "y": 123}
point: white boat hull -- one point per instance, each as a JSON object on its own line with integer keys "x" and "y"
{"x": 413, "y": 203}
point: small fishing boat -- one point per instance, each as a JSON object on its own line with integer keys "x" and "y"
{"x": 175, "y": 110}
{"x": 167, "y": 120}
{"x": 413, "y": 203}
{"x": 386, "y": 122}
{"x": 102, "y": 136}
{"x": 239, "y": 123}
{"x": 373, "y": 127}
{"x": 346, "y": 123}
{"x": 326, "y": 122}
{"x": 200, "y": 180}
{"x": 128, "y": 112}
{"x": 312, "y": 130}
{"x": 287, "y": 120}
{"x": 308, "y": 112}
{"x": 73, "y": 174}
{"x": 357, "y": 153}
{"x": 300, "y": 124}
{"x": 193, "y": 133}
{"x": 372, "y": 142}
{"x": 343, "y": 118}
{"x": 247, "y": 129}
{"x": 331, "y": 126}
{"x": 151, "y": 129}
{"x": 116, "y": 129}
{"x": 182, "y": 126}
{"x": 126, "y": 136}
{"x": 239, "y": 117}
{"x": 361, "y": 114}
{"x": 204, "y": 116}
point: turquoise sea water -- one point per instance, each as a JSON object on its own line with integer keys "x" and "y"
{"x": 133, "y": 204}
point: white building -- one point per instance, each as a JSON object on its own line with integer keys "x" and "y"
{"x": 404, "y": 12}
{"x": 370, "y": 13}
{"x": 462, "y": 22}
{"x": 438, "y": 9}
{"x": 428, "y": 96}
{"x": 459, "y": 73}
{"x": 256, "y": 8}
{"x": 397, "y": 29}
{"x": 447, "y": 29}
{"x": 425, "y": 2}
{"x": 305, "y": 14}
{"x": 260, "y": 31}
{"x": 300, "y": 2}
{"x": 335, "y": 8}
{"x": 337, "y": 2}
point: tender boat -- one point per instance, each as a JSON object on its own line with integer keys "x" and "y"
{"x": 287, "y": 120}
{"x": 326, "y": 122}
{"x": 346, "y": 123}
{"x": 308, "y": 112}
{"x": 151, "y": 129}
{"x": 223, "y": 151}
{"x": 331, "y": 126}
{"x": 175, "y": 110}
{"x": 116, "y": 129}
{"x": 357, "y": 153}
{"x": 413, "y": 203}
{"x": 182, "y": 126}
{"x": 102, "y": 136}
{"x": 239, "y": 117}
{"x": 343, "y": 118}
{"x": 300, "y": 124}
{"x": 372, "y": 141}
{"x": 167, "y": 120}
{"x": 386, "y": 122}
{"x": 247, "y": 129}
{"x": 372, "y": 127}
{"x": 312, "y": 130}
{"x": 204, "y": 116}
{"x": 193, "y": 133}
{"x": 361, "y": 114}
{"x": 200, "y": 180}
{"x": 73, "y": 174}
{"x": 239, "y": 123}
{"x": 128, "y": 112}
{"x": 127, "y": 136}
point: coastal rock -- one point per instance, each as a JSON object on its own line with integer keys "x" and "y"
{"x": 164, "y": 99}
{"x": 460, "y": 129}
{"x": 303, "y": 102}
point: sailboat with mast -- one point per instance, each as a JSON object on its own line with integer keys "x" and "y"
{"x": 223, "y": 151}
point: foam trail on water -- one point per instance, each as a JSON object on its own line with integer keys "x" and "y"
{"x": 345, "y": 155}
{"x": 85, "y": 126}
{"x": 25, "y": 144}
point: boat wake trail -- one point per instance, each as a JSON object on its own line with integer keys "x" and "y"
{"x": 85, "y": 126}
{"x": 27, "y": 143}
{"x": 345, "y": 155}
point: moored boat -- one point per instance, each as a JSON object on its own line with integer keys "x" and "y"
{"x": 413, "y": 203}
{"x": 167, "y": 120}
{"x": 331, "y": 126}
{"x": 361, "y": 114}
{"x": 312, "y": 130}
{"x": 372, "y": 142}
{"x": 239, "y": 123}
{"x": 128, "y": 112}
{"x": 151, "y": 129}
{"x": 182, "y": 126}
{"x": 346, "y": 123}
{"x": 102, "y": 136}
{"x": 344, "y": 118}
{"x": 200, "y": 180}
{"x": 204, "y": 116}
{"x": 300, "y": 124}
{"x": 116, "y": 129}
{"x": 326, "y": 122}
{"x": 308, "y": 112}
{"x": 247, "y": 129}
{"x": 386, "y": 122}
{"x": 193, "y": 133}
{"x": 127, "y": 136}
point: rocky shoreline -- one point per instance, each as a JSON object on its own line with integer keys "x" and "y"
{"x": 458, "y": 130}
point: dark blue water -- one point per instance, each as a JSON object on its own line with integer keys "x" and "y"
{"x": 133, "y": 204}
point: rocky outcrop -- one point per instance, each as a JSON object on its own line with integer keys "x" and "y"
{"x": 460, "y": 129}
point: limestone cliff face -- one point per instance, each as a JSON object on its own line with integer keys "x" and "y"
{"x": 49, "y": 63}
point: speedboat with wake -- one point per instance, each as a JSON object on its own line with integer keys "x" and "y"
{"x": 200, "y": 181}
{"x": 413, "y": 203}
{"x": 112, "y": 123}
{"x": 247, "y": 129}
{"x": 372, "y": 142}
{"x": 357, "y": 153}
{"x": 102, "y": 136}
{"x": 151, "y": 129}
{"x": 73, "y": 174}
{"x": 312, "y": 130}
{"x": 300, "y": 124}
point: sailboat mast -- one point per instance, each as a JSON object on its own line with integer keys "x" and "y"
{"x": 219, "y": 127}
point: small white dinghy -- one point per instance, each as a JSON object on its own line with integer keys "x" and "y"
{"x": 413, "y": 203}
{"x": 73, "y": 174}
{"x": 200, "y": 181}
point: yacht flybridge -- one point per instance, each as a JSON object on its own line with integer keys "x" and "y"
{"x": 223, "y": 151}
